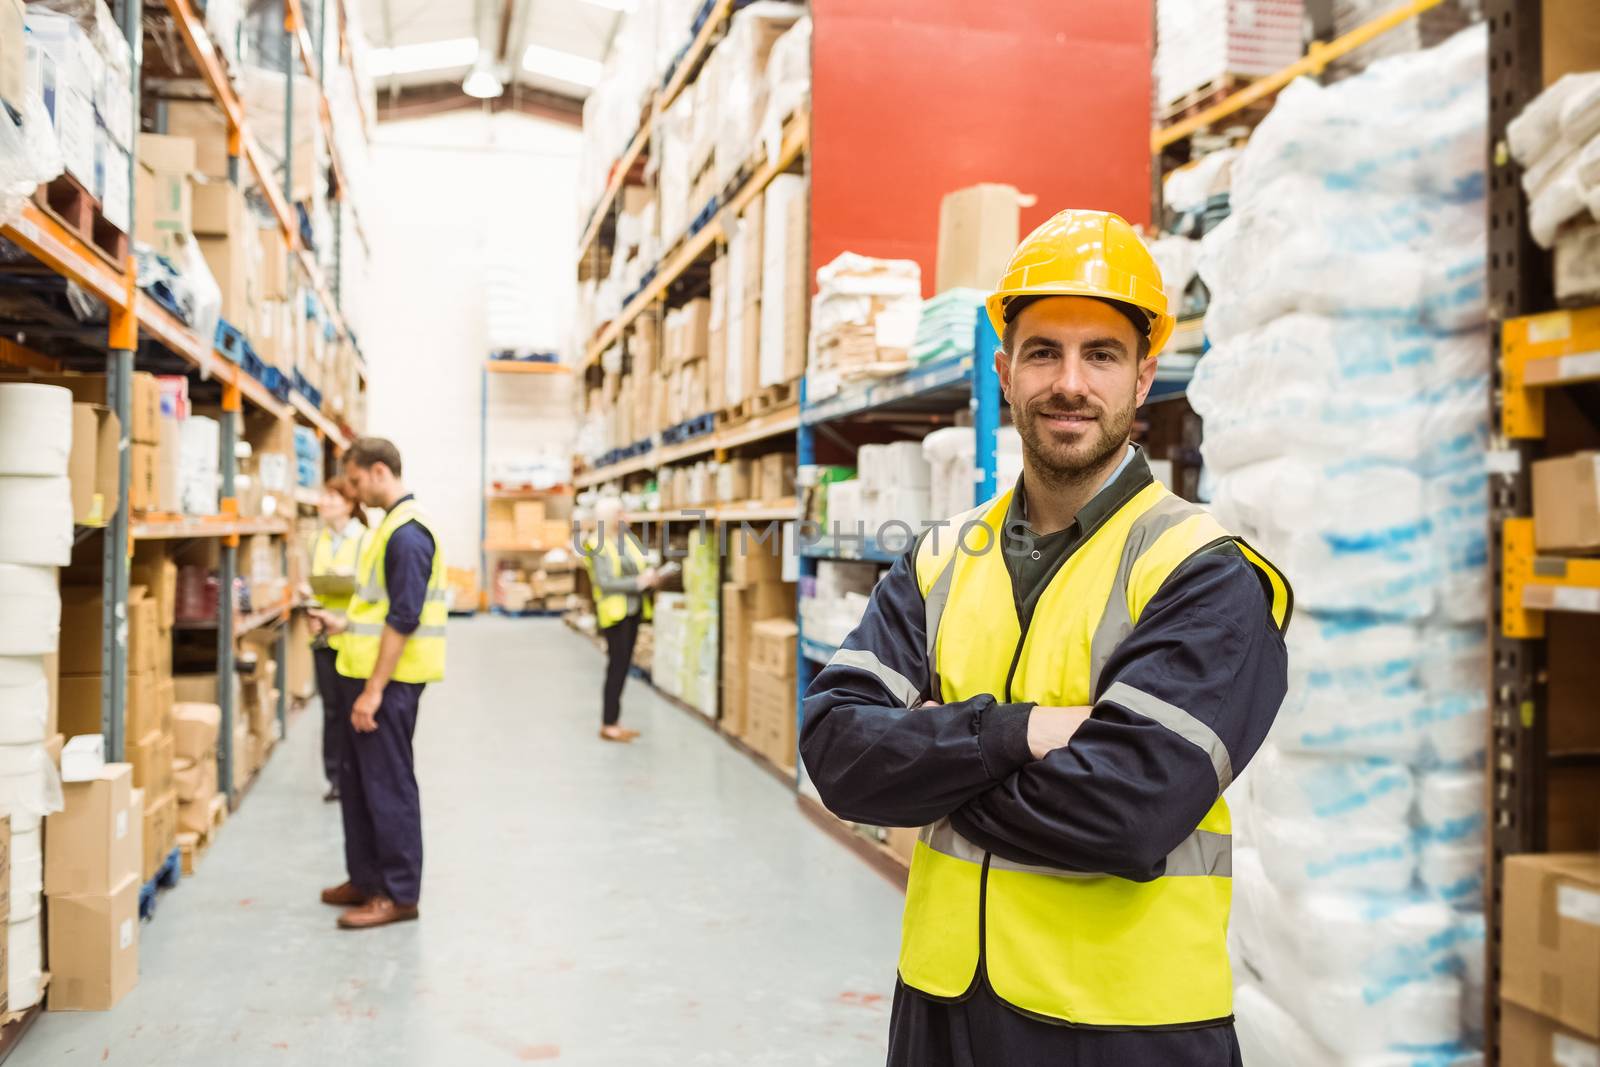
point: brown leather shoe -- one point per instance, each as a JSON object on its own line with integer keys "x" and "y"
{"x": 619, "y": 734}
{"x": 344, "y": 895}
{"x": 378, "y": 911}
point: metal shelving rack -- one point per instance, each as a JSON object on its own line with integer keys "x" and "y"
{"x": 487, "y": 548}
{"x": 962, "y": 383}
{"x": 139, "y": 327}
{"x": 1542, "y": 400}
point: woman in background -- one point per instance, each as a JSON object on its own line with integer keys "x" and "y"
{"x": 621, "y": 579}
{"x": 332, "y": 559}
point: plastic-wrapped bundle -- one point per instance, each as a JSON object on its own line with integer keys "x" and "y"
{"x": 30, "y": 786}
{"x": 24, "y": 700}
{"x": 1411, "y": 125}
{"x": 30, "y": 611}
{"x": 1296, "y": 247}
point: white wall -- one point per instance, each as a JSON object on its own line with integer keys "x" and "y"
{"x": 461, "y": 197}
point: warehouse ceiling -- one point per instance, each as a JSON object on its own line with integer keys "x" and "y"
{"x": 546, "y": 53}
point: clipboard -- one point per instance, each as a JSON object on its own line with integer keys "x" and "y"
{"x": 334, "y": 585}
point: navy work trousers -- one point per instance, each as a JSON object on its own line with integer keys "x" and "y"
{"x": 336, "y": 698}
{"x": 982, "y": 1031}
{"x": 379, "y": 798}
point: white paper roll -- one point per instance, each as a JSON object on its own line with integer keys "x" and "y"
{"x": 27, "y": 874}
{"x": 36, "y": 521}
{"x": 35, "y": 429}
{"x": 24, "y": 957}
{"x": 24, "y": 700}
{"x": 30, "y": 610}
{"x": 30, "y": 785}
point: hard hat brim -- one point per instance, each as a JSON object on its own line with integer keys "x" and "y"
{"x": 1161, "y": 323}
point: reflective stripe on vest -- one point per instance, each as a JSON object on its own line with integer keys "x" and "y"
{"x": 1082, "y": 947}
{"x": 423, "y": 657}
{"x": 325, "y": 560}
{"x": 612, "y": 608}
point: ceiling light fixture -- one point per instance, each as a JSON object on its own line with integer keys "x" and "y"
{"x": 482, "y": 83}
{"x": 562, "y": 66}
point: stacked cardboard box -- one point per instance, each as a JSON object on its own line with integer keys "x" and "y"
{"x": 739, "y": 281}
{"x": 197, "y": 728}
{"x": 754, "y": 592}
{"x": 1550, "y": 963}
{"x": 231, "y": 243}
{"x": 771, "y": 711}
{"x": 258, "y": 700}
{"x": 1200, "y": 43}
{"x": 785, "y": 281}
{"x": 94, "y": 466}
{"x": 685, "y": 347}
{"x": 163, "y": 194}
{"x": 863, "y": 318}
{"x": 91, "y": 880}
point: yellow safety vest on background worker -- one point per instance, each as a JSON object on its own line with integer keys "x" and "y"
{"x": 422, "y": 660}
{"x": 1088, "y": 949}
{"x": 612, "y": 608}
{"x": 326, "y": 560}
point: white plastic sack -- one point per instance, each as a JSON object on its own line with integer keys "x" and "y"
{"x": 30, "y": 785}
{"x": 30, "y": 611}
{"x": 24, "y": 700}
{"x": 1535, "y": 132}
{"x": 44, "y": 537}
{"x": 1305, "y": 855}
{"x": 1580, "y": 114}
{"x": 24, "y": 957}
{"x": 1333, "y": 790}
{"x": 35, "y": 429}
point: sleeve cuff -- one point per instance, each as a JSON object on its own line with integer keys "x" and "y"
{"x": 1003, "y": 739}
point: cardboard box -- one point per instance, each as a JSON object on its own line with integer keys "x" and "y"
{"x": 775, "y": 477}
{"x": 526, "y": 519}
{"x": 194, "y": 782}
{"x": 219, "y": 210}
{"x": 771, "y": 703}
{"x": 82, "y": 620}
{"x": 240, "y": 765}
{"x": 163, "y": 204}
{"x": 151, "y": 757}
{"x": 1528, "y": 1039}
{"x": 13, "y": 53}
{"x": 196, "y": 728}
{"x": 902, "y": 841}
{"x": 144, "y": 630}
{"x": 754, "y": 556}
{"x": 92, "y": 467}
{"x": 79, "y": 711}
{"x": 205, "y": 126}
{"x": 146, "y": 713}
{"x": 94, "y": 947}
{"x": 93, "y": 843}
{"x": 1551, "y": 956}
{"x": 194, "y": 688}
{"x": 978, "y": 230}
{"x": 1566, "y": 503}
{"x": 160, "y": 832}
{"x": 144, "y": 413}
{"x": 194, "y": 816}
{"x": 169, "y": 466}
{"x": 772, "y": 646}
{"x": 144, "y": 483}
{"x": 156, "y": 571}
{"x": 230, "y": 261}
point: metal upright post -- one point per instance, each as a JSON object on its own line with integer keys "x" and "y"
{"x": 116, "y": 545}
{"x": 805, "y": 455}
{"x": 985, "y": 406}
{"x": 229, "y": 566}
{"x": 281, "y": 649}
{"x": 289, "y": 45}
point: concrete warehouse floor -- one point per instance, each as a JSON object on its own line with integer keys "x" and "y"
{"x": 583, "y": 903}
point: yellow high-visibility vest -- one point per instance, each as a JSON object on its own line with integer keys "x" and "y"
{"x": 1093, "y": 950}
{"x": 423, "y": 657}
{"x": 325, "y": 559}
{"x": 612, "y": 608}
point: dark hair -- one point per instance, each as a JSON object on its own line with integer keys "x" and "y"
{"x": 1137, "y": 316}
{"x": 341, "y": 486}
{"x": 367, "y": 451}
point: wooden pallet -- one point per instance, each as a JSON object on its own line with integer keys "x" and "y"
{"x": 69, "y": 203}
{"x": 1198, "y": 99}
{"x": 192, "y": 847}
{"x": 773, "y": 397}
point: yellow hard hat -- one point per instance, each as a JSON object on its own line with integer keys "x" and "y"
{"x": 1085, "y": 253}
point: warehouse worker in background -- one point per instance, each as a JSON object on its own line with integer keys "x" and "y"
{"x": 333, "y": 571}
{"x": 621, "y": 578}
{"x": 394, "y": 645}
{"x": 1058, "y": 687}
